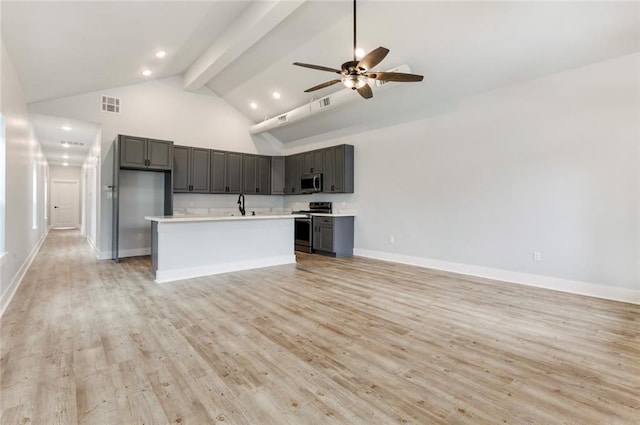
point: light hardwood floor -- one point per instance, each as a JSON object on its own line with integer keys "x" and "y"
{"x": 326, "y": 341}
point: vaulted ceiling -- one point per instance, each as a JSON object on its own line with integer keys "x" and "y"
{"x": 243, "y": 50}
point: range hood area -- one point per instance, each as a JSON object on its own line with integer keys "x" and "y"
{"x": 325, "y": 103}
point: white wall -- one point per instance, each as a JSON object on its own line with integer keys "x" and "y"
{"x": 550, "y": 165}
{"x": 22, "y": 149}
{"x": 91, "y": 192}
{"x": 156, "y": 109}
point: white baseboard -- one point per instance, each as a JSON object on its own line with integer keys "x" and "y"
{"x": 565, "y": 285}
{"x": 163, "y": 276}
{"x": 8, "y": 294}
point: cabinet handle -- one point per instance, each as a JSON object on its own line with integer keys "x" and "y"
{"x": 257, "y": 190}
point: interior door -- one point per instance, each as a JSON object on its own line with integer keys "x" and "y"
{"x": 65, "y": 204}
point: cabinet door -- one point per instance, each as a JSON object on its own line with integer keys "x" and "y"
{"x": 293, "y": 170}
{"x": 297, "y": 172}
{"x": 234, "y": 172}
{"x": 323, "y": 234}
{"x": 318, "y": 161}
{"x": 338, "y": 172}
{"x": 159, "y": 154}
{"x": 133, "y": 152}
{"x": 290, "y": 185}
{"x": 218, "y": 172}
{"x": 278, "y": 175}
{"x": 326, "y": 238}
{"x": 263, "y": 175}
{"x": 249, "y": 173}
{"x": 200, "y": 170}
{"x": 181, "y": 168}
{"x": 329, "y": 170}
{"x": 307, "y": 162}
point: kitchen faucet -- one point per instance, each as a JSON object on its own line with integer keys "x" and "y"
{"x": 241, "y": 204}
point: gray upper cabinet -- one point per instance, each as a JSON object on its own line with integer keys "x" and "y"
{"x": 313, "y": 161}
{"x": 256, "y": 174}
{"x": 191, "y": 170}
{"x": 293, "y": 171}
{"x": 147, "y": 154}
{"x": 338, "y": 171}
{"x": 249, "y": 173}
{"x": 218, "y": 172}
{"x": 226, "y": 172}
{"x": 234, "y": 172}
{"x": 180, "y": 169}
{"x": 278, "y": 174}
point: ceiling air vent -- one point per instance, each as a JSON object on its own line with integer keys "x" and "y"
{"x": 110, "y": 104}
{"x": 67, "y": 144}
{"x": 324, "y": 102}
{"x": 282, "y": 119}
{"x": 380, "y": 83}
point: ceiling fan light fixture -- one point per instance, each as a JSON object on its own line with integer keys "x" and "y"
{"x": 354, "y": 82}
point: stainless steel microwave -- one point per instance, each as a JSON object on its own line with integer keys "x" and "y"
{"x": 311, "y": 183}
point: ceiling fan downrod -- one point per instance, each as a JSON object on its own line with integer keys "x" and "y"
{"x": 354, "y": 31}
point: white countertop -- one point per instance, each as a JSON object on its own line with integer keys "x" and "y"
{"x": 200, "y": 218}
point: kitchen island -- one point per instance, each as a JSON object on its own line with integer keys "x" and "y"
{"x": 192, "y": 246}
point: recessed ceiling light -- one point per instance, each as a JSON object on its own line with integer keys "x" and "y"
{"x": 146, "y": 72}
{"x": 66, "y": 128}
{"x": 253, "y": 105}
{"x": 161, "y": 54}
{"x": 65, "y": 156}
{"x": 276, "y": 95}
{"x": 359, "y": 53}
{"x": 65, "y": 164}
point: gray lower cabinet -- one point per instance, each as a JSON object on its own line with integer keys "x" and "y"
{"x": 278, "y": 175}
{"x": 191, "y": 170}
{"x": 333, "y": 236}
{"x": 338, "y": 172}
{"x": 226, "y": 172}
{"x": 139, "y": 153}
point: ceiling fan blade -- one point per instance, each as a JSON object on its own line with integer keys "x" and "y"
{"x": 323, "y": 85}
{"x": 365, "y": 91}
{"x": 318, "y": 67}
{"x": 373, "y": 58}
{"x": 395, "y": 76}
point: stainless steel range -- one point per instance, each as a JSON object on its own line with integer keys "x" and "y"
{"x": 304, "y": 228}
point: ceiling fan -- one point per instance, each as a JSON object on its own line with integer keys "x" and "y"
{"x": 355, "y": 74}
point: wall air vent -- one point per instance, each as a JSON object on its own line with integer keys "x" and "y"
{"x": 282, "y": 119}
{"x": 324, "y": 102}
{"x": 68, "y": 144}
{"x": 110, "y": 104}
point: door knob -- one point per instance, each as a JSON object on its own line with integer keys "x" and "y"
{"x": 55, "y": 206}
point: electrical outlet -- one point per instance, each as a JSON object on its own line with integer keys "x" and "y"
{"x": 537, "y": 256}
{"x": 391, "y": 239}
